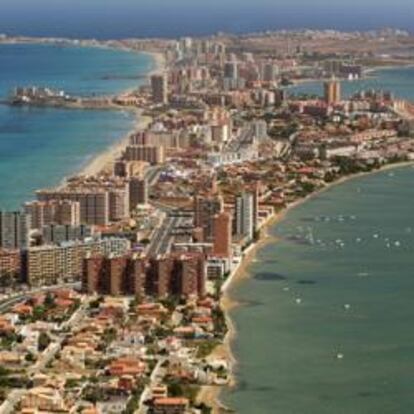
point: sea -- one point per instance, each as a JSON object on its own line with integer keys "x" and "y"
{"x": 41, "y": 146}
{"x": 398, "y": 80}
{"x": 325, "y": 317}
{"x": 174, "y": 18}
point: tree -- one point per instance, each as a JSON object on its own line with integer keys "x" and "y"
{"x": 30, "y": 357}
{"x": 49, "y": 301}
{"x": 43, "y": 341}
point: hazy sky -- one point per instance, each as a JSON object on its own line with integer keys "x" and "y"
{"x": 119, "y": 18}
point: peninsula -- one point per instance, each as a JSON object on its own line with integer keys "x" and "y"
{"x": 115, "y": 284}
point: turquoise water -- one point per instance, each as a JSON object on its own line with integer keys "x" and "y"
{"x": 39, "y": 146}
{"x": 397, "y": 80}
{"x": 347, "y": 257}
{"x": 326, "y": 321}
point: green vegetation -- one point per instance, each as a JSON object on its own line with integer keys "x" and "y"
{"x": 9, "y": 381}
{"x": 176, "y": 389}
{"x": 133, "y": 402}
{"x": 93, "y": 394}
{"x": 205, "y": 348}
{"x": 219, "y": 320}
{"x": 8, "y": 340}
{"x": 94, "y": 304}
{"x": 30, "y": 357}
{"x": 43, "y": 341}
{"x": 73, "y": 383}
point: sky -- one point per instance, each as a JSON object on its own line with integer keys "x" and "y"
{"x": 122, "y": 18}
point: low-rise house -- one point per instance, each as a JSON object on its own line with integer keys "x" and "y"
{"x": 44, "y": 399}
{"x": 10, "y": 358}
{"x": 170, "y": 406}
{"x": 127, "y": 366}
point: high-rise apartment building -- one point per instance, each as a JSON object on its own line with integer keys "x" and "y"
{"x": 244, "y": 216}
{"x": 14, "y": 230}
{"x": 332, "y": 91}
{"x": 205, "y": 209}
{"x": 148, "y": 153}
{"x": 47, "y": 265}
{"x": 159, "y": 86}
{"x": 177, "y": 275}
{"x": 63, "y": 212}
{"x": 222, "y": 228}
{"x": 231, "y": 70}
{"x": 59, "y": 233}
{"x": 270, "y": 72}
{"x": 94, "y": 204}
{"x": 138, "y": 192}
{"x": 10, "y": 265}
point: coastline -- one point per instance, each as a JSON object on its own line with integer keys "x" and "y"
{"x": 211, "y": 395}
{"x": 102, "y": 161}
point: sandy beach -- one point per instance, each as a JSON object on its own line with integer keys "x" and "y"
{"x": 103, "y": 162}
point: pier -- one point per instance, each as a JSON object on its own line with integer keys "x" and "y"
{"x": 46, "y": 97}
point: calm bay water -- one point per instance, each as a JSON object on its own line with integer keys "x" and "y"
{"x": 397, "y": 80}
{"x": 338, "y": 283}
{"x": 328, "y": 309}
{"x": 40, "y": 146}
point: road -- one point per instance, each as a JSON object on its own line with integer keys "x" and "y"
{"x": 152, "y": 174}
{"x": 162, "y": 238}
{"x": 7, "y": 303}
{"x": 156, "y": 377}
{"x": 243, "y": 139}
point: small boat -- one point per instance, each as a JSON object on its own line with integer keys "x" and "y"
{"x": 339, "y": 356}
{"x": 347, "y": 306}
{"x": 298, "y": 301}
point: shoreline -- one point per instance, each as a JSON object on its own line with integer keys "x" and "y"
{"x": 211, "y": 396}
{"x": 103, "y": 160}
